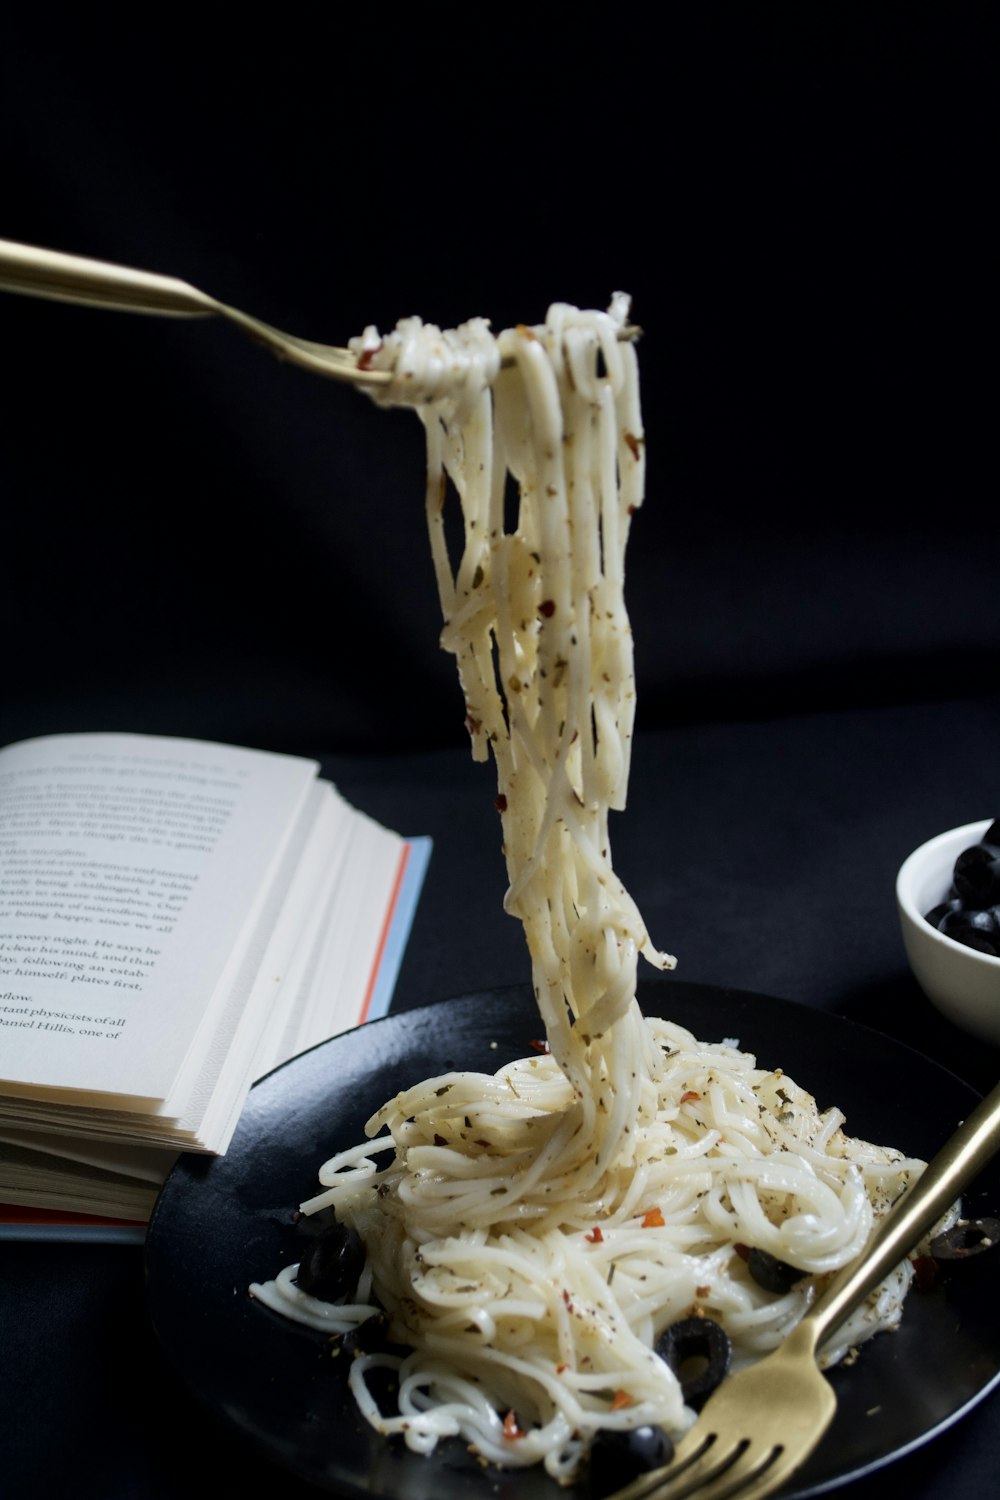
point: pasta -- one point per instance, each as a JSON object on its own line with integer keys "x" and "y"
{"x": 534, "y": 1232}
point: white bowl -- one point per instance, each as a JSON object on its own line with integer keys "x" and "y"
{"x": 962, "y": 983}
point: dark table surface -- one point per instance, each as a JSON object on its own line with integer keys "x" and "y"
{"x": 758, "y": 875}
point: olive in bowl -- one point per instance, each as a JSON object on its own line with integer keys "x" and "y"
{"x": 950, "y": 942}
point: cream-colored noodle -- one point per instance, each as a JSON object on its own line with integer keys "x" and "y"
{"x": 533, "y": 1233}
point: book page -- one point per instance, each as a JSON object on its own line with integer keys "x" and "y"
{"x": 352, "y": 936}
{"x": 128, "y": 867}
{"x": 210, "y": 1112}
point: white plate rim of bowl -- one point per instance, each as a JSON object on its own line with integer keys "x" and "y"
{"x": 959, "y": 981}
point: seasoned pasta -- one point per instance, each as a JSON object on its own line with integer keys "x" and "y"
{"x": 534, "y": 1232}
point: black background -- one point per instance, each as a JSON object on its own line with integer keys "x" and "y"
{"x": 199, "y": 540}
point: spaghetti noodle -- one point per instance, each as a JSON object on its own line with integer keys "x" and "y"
{"x": 534, "y": 1232}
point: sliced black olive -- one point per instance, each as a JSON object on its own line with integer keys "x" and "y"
{"x": 616, "y": 1458}
{"x": 977, "y": 875}
{"x": 967, "y": 1237}
{"x": 703, "y": 1346}
{"x": 772, "y": 1274}
{"x": 331, "y": 1263}
{"x": 369, "y": 1337}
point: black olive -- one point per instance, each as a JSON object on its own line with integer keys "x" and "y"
{"x": 331, "y": 1263}
{"x": 616, "y": 1458}
{"x": 967, "y": 1237}
{"x": 311, "y": 1225}
{"x": 772, "y": 1274}
{"x": 938, "y": 913}
{"x": 976, "y": 929}
{"x": 369, "y": 1337}
{"x": 977, "y": 875}
{"x": 701, "y": 1340}
{"x": 970, "y": 913}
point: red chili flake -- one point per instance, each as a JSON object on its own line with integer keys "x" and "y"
{"x": 510, "y": 1427}
{"x": 702, "y": 1291}
{"x": 595, "y": 1236}
{"x": 367, "y": 355}
{"x": 743, "y": 1251}
{"x": 621, "y": 1400}
{"x": 547, "y": 608}
{"x": 653, "y": 1219}
{"x": 561, "y": 1369}
{"x": 501, "y": 803}
{"x": 633, "y": 443}
{"x": 473, "y": 725}
{"x": 567, "y": 1299}
{"x": 925, "y": 1272}
{"x": 537, "y": 1046}
{"x": 691, "y": 1094}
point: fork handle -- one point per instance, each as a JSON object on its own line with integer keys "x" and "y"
{"x": 98, "y": 283}
{"x": 915, "y": 1212}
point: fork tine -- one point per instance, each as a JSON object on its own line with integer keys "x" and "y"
{"x": 750, "y": 1473}
{"x": 670, "y": 1481}
{"x": 707, "y": 1462}
{"x": 713, "y": 1470}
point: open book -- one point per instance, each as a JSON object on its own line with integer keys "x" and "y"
{"x": 176, "y": 919}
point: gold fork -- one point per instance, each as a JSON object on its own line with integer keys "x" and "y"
{"x": 763, "y": 1423}
{"x": 96, "y": 283}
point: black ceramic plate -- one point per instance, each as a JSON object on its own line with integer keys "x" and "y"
{"x": 221, "y": 1223}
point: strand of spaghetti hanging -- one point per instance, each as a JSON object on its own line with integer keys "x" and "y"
{"x": 535, "y": 616}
